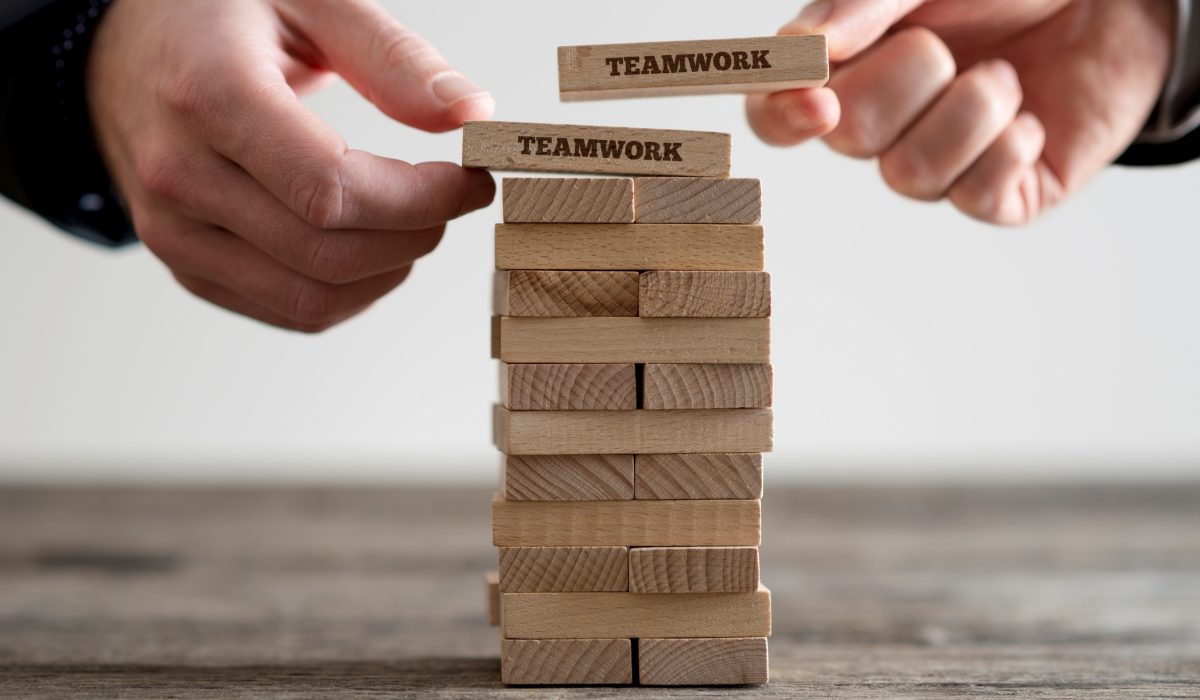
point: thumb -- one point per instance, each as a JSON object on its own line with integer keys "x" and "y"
{"x": 849, "y": 26}
{"x": 390, "y": 65}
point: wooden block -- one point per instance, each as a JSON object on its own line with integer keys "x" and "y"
{"x": 575, "y": 200}
{"x": 690, "y": 570}
{"x": 697, "y": 200}
{"x": 568, "y": 477}
{"x": 625, "y": 523}
{"x": 563, "y": 569}
{"x": 491, "y": 581}
{"x": 704, "y": 340}
{"x": 563, "y": 293}
{"x": 704, "y": 294}
{"x": 730, "y": 661}
{"x": 637, "y": 615}
{"x": 708, "y": 476}
{"x": 667, "y": 386}
{"x": 562, "y": 387}
{"x": 631, "y": 432}
{"x": 705, "y": 67}
{"x": 566, "y": 148}
{"x": 566, "y": 661}
{"x": 629, "y": 247}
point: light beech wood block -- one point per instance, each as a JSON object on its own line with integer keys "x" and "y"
{"x": 704, "y": 294}
{"x": 696, "y": 67}
{"x": 566, "y": 661}
{"x": 560, "y": 293}
{"x": 491, "y": 582}
{"x": 568, "y": 477}
{"x": 631, "y": 432}
{"x": 563, "y": 569}
{"x": 637, "y": 615}
{"x": 697, "y": 200}
{"x": 690, "y": 569}
{"x": 573, "y": 386}
{"x": 729, "y": 661}
{"x": 680, "y": 386}
{"x": 629, "y": 247}
{"x": 625, "y": 523}
{"x": 575, "y": 200}
{"x": 706, "y": 476}
{"x": 638, "y": 340}
{"x": 617, "y": 150}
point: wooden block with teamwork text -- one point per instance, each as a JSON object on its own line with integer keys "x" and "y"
{"x": 692, "y": 569}
{"x": 566, "y": 661}
{"x": 578, "y": 200}
{"x": 637, "y": 340}
{"x": 688, "y": 386}
{"x": 566, "y": 148}
{"x": 563, "y": 569}
{"x": 697, "y": 200}
{"x": 704, "y": 294}
{"x": 697, "y": 67}
{"x": 568, "y": 477}
{"x": 636, "y": 615}
{"x": 568, "y": 387}
{"x": 565, "y": 293}
{"x": 625, "y": 523}
{"x": 629, "y": 247}
{"x": 705, "y": 476}
{"x": 727, "y": 661}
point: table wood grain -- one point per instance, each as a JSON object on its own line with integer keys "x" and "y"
{"x": 1059, "y": 592}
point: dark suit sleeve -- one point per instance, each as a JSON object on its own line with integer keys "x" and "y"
{"x": 49, "y": 161}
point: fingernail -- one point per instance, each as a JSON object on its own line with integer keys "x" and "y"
{"x": 451, "y": 86}
{"x": 813, "y": 15}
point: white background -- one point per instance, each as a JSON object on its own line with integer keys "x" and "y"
{"x": 909, "y": 343}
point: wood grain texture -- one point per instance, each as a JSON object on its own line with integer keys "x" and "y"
{"x": 731, "y": 661}
{"x": 574, "y": 200}
{"x": 707, "y": 476}
{"x": 570, "y": 386}
{"x": 559, "y": 293}
{"x": 704, "y": 294}
{"x": 563, "y": 569}
{"x": 692, "y": 569}
{"x": 568, "y": 477}
{"x": 695, "y": 67}
{"x": 596, "y": 615}
{"x": 631, "y": 432}
{"x": 567, "y": 148}
{"x": 491, "y": 582}
{"x": 617, "y": 340}
{"x": 625, "y": 523}
{"x": 566, "y": 661}
{"x": 683, "y": 386}
{"x": 697, "y": 200}
{"x": 629, "y": 246}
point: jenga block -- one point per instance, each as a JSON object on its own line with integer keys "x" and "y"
{"x": 667, "y": 386}
{"x": 566, "y": 148}
{"x": 561, "y": 387}
{"x": 566, "y": 661}
{"x": 576, "y": 200}
{"x": 704, "y": 340}
{"x": 629, "y": 247}
{"x": 697, "y": 200}
{"x": 690, "y": 569}
{"x": 563, "y": 569}
{"x": 631, "y": 432}
{"x": 704, "y": 294}
{"x": 491, "y": 581}
{"x": 730, "y": 661}
{"x": 568, "y": 477}
{"x": 708, "y": 476}
{"x": 625, "y": 523}
{"x": 559, "y": 293}
{"x": 705, "y": 67}
{"x": 591, "y": 615}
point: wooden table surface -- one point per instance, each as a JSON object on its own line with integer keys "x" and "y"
{"x": 916, "y": 592}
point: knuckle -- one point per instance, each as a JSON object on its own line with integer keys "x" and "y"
{"x": 160, "y": 173}
{"x": 336, "y": 259}
{"x": 907, "y": 174}
{"x": 312, "y": 303}
{"x": 319, "y": 197}
{"x": 186, "y": 94}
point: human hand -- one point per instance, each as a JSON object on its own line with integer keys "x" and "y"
{"x": 252, "y": 201}
{"x": 1002, "y": 106}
